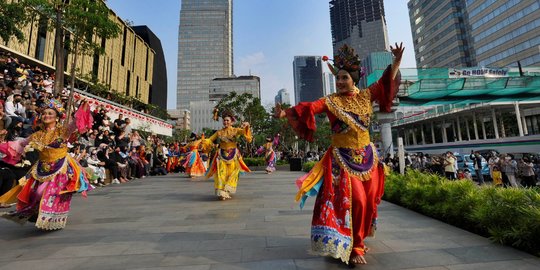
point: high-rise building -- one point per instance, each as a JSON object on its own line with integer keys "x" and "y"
{"x": 282, "y": 97}
{"x": 201, "y": 114}
{"x": 308, "y": 78}
{"x": 221, "y": 87}
{"x": 505, "y": 32}
{"x": 441, "y": 33}
{"x": 375, "y": 62}
{"x": 329, "y": 82}
{"x": 205, "y": 48}
{"x": 360, "y": 24}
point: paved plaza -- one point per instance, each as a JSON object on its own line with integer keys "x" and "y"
{"x": 170, "y": 222}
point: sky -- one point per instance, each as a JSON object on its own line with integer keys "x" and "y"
{"x": 267, "y": 34}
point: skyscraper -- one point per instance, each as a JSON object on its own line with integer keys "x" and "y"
{"x": 505, "y": 32}
{"x": 205, "y": 49}
{"x": 329, "y": 82}
{"x": 308, "y": 78}
{"x": 282, "y": 97}
{"x": 360, "y": 24}
{"x": 441, "y": 33}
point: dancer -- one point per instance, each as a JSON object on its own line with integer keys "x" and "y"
{"x": 44, "y": 194}
{"x": 227, "y": 163}
{"x": 193, "y": 163}
{"x": 349, "y": 176}
{"x": 269, "y": 153}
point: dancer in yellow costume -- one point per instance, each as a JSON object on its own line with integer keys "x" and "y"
{"x": 227, "y": 163}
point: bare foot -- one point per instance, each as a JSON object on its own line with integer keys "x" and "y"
{"x": 358, "y": 259}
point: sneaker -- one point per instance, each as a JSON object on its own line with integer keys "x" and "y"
{"x": 115, "y": 181}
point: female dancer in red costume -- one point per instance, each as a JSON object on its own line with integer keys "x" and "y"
{"x": 350, "y": 177}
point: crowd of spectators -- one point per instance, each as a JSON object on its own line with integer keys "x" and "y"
{"x": 500, "y": 169}
{"x": 113, "y": 150}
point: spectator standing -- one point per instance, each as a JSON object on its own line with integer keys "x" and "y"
{"x": 509, "y": 167}
{"x": 449, "y": 166}
{"x": 497, "y": 176}
{"x": 477, "y": 166}
{"x": 527, "y": 172}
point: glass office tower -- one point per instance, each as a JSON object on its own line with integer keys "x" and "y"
{"x": 205, "y": 48}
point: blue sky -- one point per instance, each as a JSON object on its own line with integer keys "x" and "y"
{"x": 267, "y": 35}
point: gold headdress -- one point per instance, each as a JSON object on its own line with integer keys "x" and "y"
{"x": 55, "y": 105}
{"x": 346, "y": 59}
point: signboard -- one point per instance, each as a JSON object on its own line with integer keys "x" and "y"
{"x": 477, "y": 72}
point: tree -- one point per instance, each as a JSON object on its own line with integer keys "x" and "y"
{"x": 88, "y": 22}
{"x": 246, "y": 108}
{"x": 80, "y": 27}
{"x": 13, "y": 19}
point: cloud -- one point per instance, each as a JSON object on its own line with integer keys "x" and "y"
{"x": 249, "y": 62}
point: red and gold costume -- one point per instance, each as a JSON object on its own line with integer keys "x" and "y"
{"x": 350, "y": 177}
{"x": 44, "y": 194}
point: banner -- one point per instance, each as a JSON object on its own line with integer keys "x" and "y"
{"x": 477, "y": 72}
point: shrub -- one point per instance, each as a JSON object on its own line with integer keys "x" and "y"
{"x": 307, "y": 166}
{"x": 282, "y": 162}
{"x": 508, "y": 216}
{"x": 258, "y": 161}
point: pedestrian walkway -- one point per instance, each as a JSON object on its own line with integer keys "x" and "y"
{"x": 170, "y": 222}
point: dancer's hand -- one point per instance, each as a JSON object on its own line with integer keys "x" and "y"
{"x": 245, "y": 124}
{"x": 397, "y": 51}
{"x": 279, "y": 112}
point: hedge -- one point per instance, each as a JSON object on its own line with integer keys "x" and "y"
{"x": 308, "y": 165}
{"x": 510, "y": 216}
{"x": 258, "y": 161}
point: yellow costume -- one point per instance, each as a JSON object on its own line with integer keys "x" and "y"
{"x": 227, "y": 163}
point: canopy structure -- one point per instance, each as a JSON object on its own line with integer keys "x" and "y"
{"x": 441, "y": 86}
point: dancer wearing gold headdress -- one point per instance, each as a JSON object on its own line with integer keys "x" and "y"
{"x": 44, "y": 194}
{"x": 349, "y": 180}
{"x": 227, "y": 164}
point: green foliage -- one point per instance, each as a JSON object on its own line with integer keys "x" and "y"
{"x": 282, "y": 162}
{"x": 257, "y": 161}
{"x": 307, "y": 166}
{"x": 508, "y": 216}
{"x": 13, "y": 19}
{"x": 246, "y": 108}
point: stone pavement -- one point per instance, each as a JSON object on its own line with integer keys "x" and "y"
{"x": 169, "y": 222}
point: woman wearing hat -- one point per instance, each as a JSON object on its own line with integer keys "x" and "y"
{"x": 350, "y": 176}
{"x": 227, "y": 163}
{"x": 44, "y": 194}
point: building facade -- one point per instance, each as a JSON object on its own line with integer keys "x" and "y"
{"x": 158, "y": 89}
{"x": 205, "y": 48}
{"x": 202, "y": 116}
{"x": 282, "y": 97}
{"x": 505, "y": 32}
{"x": 127, "y": 65}
{"x": 329, "y": 82}
{"x": 308, "y": 78}
{"x": 221, "y": 87}
{"x": 441, "y": 33}
{"x": 375, "y": 62}
{"x": 359, "y": 23}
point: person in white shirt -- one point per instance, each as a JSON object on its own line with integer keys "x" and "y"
{"x": 14, "y": 108}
